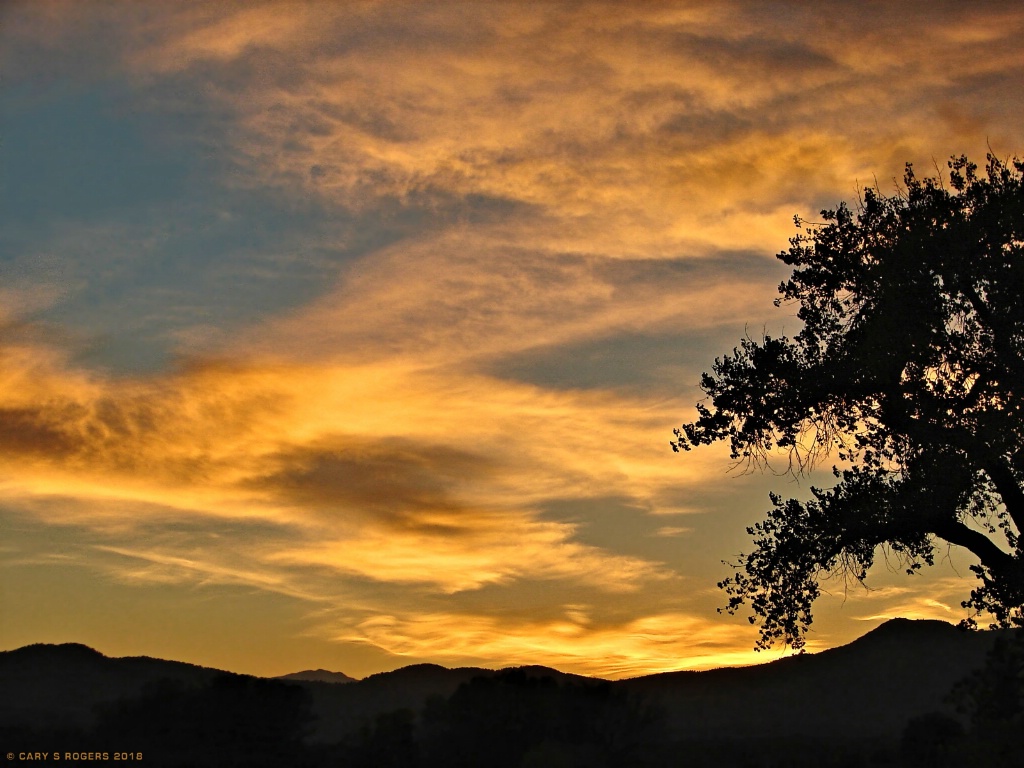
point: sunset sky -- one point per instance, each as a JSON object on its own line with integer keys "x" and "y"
{"x": 352, "y": 335}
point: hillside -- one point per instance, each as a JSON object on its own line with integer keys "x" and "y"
{"x": 62, "y": 685}
{"x": 861, "y": 693}
{"x": 869, "y": 688}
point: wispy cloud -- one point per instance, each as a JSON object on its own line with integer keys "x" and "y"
{"x": 660, "y": 643}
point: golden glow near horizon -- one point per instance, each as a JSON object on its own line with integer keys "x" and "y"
{"x": 367, "y": 324}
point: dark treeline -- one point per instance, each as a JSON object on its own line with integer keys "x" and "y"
{"x": 509, "y": 719}
{"x": 518, "y": 719}
{"x": 526, "y": 717}
{"x": 514, "y": 719}
{"x": 232, "y": 720}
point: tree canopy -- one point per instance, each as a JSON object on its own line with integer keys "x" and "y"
{"x": 909, "y": 368}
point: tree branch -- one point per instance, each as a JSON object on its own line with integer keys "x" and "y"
{"x": 1008, "y": 487}
{"x": 1011, "y": 361}
{"x": 991, "y": 556}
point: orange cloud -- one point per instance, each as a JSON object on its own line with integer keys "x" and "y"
{"x": 393, "y": 474}
{"x": 647, "y": 645}
{"x": 642, "y": 134}
{"x": 451, "y": 562}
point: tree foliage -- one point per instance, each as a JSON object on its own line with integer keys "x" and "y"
{"x": 910, "y": 368}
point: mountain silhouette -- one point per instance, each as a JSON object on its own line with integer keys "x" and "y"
{"x": 63, "y": 685}
{"x": 869, "y": 688}
{"x": 317, "y": 676}
{"x": 866, "y": 691}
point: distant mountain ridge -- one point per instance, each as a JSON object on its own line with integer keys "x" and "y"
{"x": 872, "y": 686}
{"x": 317, "y": 676}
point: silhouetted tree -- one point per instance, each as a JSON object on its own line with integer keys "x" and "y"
{"x": 389, "y": 743}
{"x": 932, "y": 740}
{"x": 994, "y": 693}
{"x": 515, "y": 718}
{"x": 490, "y": 720}
{"x": 910, "y": 367}
{"x": 234, "y": 720}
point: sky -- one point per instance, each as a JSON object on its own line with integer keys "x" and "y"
{"x": 352, "y": 335}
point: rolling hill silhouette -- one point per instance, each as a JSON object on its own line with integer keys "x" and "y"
{"x": 869, "y": 688}
{"x": 866, "y": 691}
{"x": 62, "y": 685}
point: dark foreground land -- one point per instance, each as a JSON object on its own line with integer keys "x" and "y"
{"x": 910, "y": 693}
